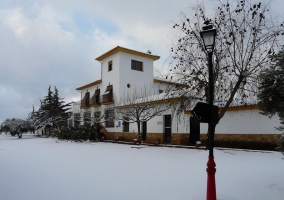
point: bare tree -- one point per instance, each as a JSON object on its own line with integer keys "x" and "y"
{"x": 138, "y": 106}
{"x": 247, "y": 33}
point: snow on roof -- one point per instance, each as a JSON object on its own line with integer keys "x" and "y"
{"x": 159, "y": 79}
{"x": 89, "y": 84}
{"x": 157, "y": 98}
{"x": 125, "y": 50}
{"x": 221, "y": 104}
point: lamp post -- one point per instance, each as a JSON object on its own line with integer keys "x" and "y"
{"x": 208, "y": 35}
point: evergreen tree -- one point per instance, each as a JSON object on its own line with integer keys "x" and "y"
{"x": 31, "y": 119}
{"x": 52, "y": 112}
{"x": 271, "y": 92}
{"x": 47, "y": 108}
{"x": 60, "y": 109}
{"x": 39, "y": 117}
{"x": 271, "y": 89}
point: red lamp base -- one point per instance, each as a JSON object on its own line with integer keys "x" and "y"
{"x": 211, "y": 186}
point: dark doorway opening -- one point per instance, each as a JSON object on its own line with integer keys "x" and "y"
{"x": 168, "y": 128}
{"x": 194, "y": 130}
{"x": 144, "y": 131}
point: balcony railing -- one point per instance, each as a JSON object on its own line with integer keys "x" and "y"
{"x": 95, "y": 100}
{"x": 85, "y": 102}
{"x": 108, "y": 95}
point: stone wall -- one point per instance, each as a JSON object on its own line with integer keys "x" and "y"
{"x": 241, "y": 141}
{"x": 130, "y": 136}
{"x": 247, "y": 141}
{"x": 244, "y": 141}
{"x": 180, "y": 139}
{"x": 152, "y": 137}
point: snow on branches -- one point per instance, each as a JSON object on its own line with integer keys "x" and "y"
{"x": 247, "y": 34}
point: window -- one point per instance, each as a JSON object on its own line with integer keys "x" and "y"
{"x": 110, "y": 66}
{"x": 136, "y": 65}
{"x": 125, "y": 125}
{"x": 76, "y": 119}
{"x": 109, "y": 115}
{"x": 97, "y": 116}
{"x": 87, "y": 118}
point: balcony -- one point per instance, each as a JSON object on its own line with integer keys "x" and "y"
{"x": 107, "y": 97}
{"x": 95, "y": 100}
{"x": 85, "y": 102}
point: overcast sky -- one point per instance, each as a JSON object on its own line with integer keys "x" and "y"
{"x": 55, "y": 42}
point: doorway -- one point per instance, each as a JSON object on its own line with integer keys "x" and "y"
{"x": 194, "y": 130}
{"x": 144, "y": 131}
{"x": 168, "y": 128}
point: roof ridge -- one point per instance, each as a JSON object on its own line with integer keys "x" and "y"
{"x": 126, "y": 50}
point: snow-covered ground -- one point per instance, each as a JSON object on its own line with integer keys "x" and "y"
{"x": 35, "y": 168}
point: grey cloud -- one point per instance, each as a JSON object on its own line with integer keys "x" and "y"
{"x": 41, "y": 46}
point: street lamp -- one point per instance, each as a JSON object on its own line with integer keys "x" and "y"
{"x": 208, "y": 35}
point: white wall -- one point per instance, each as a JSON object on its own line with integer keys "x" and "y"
{"x": 136, "y": 79}
{"x": 110, "y": 77}
{"x": 234, "y": 122}
{"x": 245, "y": 122}
{"x": 156, "y": 125}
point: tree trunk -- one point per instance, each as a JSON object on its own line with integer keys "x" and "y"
{"x": 19, "y": 135}
{"x": 139, "y": 134}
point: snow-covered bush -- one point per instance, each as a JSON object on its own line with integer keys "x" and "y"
{"x": 15, "y": 126}
{"x": 78, "y": 133}
{"x": 280, "y": 146}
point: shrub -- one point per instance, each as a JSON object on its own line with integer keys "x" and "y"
{"x": 78, "y": 133}
{"x": 280, "y": 146}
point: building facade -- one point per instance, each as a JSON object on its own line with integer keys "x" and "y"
{"x": 124, "y": 70}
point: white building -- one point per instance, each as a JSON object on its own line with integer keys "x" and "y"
{"x": 123, "y": 70}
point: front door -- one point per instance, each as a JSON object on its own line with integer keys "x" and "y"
{"x": 168, "y": 128}
{"x": 144, "y": 131}
{"x": 194, "y": 130}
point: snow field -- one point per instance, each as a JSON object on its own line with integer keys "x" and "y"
{"x": 35, "y": 168}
